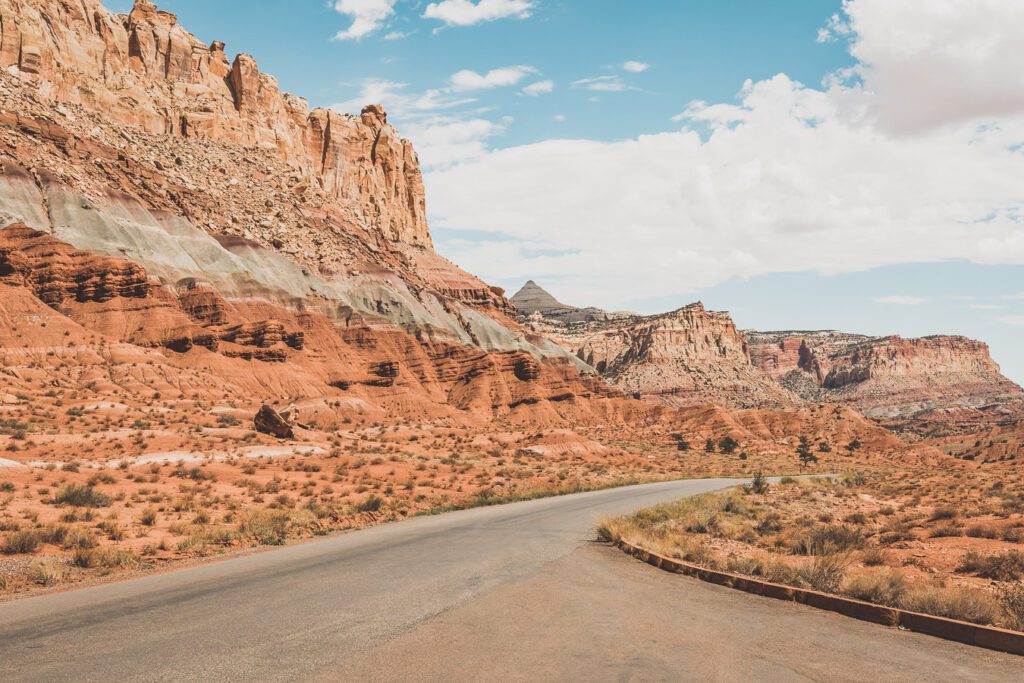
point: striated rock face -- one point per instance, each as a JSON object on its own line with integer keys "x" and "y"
{"x": 685, "y": 357}
{"x": 145, "y": 71}
{"x": 928, "y": 385}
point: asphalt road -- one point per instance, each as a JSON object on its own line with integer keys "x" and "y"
{"x": 516, "y": 592}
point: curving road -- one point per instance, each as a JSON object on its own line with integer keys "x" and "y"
{"x": 515, "y": 592}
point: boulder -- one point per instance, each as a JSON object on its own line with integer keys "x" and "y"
{"x": 269, "y": 421}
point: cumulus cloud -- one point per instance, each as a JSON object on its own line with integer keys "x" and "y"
{"x": 635, "y": 67}
{"x": 468, "y": 13}
{"x": 367, "y": 16}
{"x": 788, "y": 178}
{"x": 442, "y": 141}
{"x": 929, "y": 64}
{"x": 539, "y": 88}
{"x": 900, "y": 300}
{"x": 602, "y": 84}
{"x": 398, "y": 101}
{"x": 495, "y": 78}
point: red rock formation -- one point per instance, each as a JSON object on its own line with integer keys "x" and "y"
{"x": 928, "y": 385}
{"x": 686, "y": 357}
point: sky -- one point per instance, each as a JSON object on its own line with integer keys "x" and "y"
{"x": 808, "y": 164}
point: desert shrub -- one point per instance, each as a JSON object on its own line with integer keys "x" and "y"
{"x": 954, "y": 602}
{"x": 272, "y": 527}
{"x": 371, "y": 504}
{"x": 826, "y": 540}
{"x": 1012, "y": 599}
{"x": 780, "y": 572}
{"x": 824, "y": 573}
{"x": 106, "y": 558}
{"x": 945, "y": 512}
{"x": 1008, "y": 566}
{"x": 80, "y": 495}
{"x": 946, "y": 531}
{"x": 750, "y": 566}
{"x": 78, "y": 537}
{"x": 148, "y": 517}
{"x": 874, "y": 556}
{"x": 982, "y": 531}
{"x": 856, "y": 518}
{"x": 1013, "y": 534}
{"x": 55, "y": 533}
{"x": 787, "y": 480}
{"x": 759, "y": 484}
{"x": 881, "y": 588}
{"x": 47, "y": 571}
{"x": 22, "y": 541}
{"x": 4, "y": 582}
{"x": 113, "y": 530}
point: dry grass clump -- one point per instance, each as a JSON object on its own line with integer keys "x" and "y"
{"x": 48, "y": 571}
{"x": 22, "y": 541}
{"x": 272, "y": 527}
{"x": 955, "y": 602}
{"x": 1008, "y": 566}
{"x": 882, "y": 588}
{"x": 80, "y": 495}
{"x": 106, "y": 558}
{"x": 824, "y": 539}
{"x": 1012, "y": 598}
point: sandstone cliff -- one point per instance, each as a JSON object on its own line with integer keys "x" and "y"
{"x": 124, "y": 135}
{"x": 686, "y": 357}
{"x": 928, "y": 385}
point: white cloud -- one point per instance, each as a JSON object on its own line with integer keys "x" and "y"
{"x": 467, "y": 13}
{"x": 495, "y": 78}
{"x": 559, "y": 118}
{"x": 367, "y": 16}
{"x": 901, "y": 300}
{"x": 602, "y": 84}
{"x": 442, "y": 141}
{"x": 398, "y": 101}
{"x": 789, "y": 178}
{"x": 933, "y": 63}
{"x": 1018, "y": 296}
{"x": 539, "y": 88}
{"x": 635, "y": 67}
{"x": 398, "y": 35}
{"x": 987, "y": 307}
{"x": 1014, "y": 320}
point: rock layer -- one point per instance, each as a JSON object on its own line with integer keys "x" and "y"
{"x": 686, "y": 357}
{"x": 927, "y": 385}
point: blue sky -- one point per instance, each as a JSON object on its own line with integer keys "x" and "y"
{"x": 803, "y": 164}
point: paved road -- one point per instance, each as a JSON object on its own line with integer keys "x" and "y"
{"x": 502, "y": 593}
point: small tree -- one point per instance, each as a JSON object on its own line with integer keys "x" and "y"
{"x": 853, "y": 446}
{"x": 803, "y": 451}
{"x": 709, "y": 446}
{"x": 759, "y": 484}
{"x": 728, "y": 445}
{"x": 823, "y": 447}
{"x": 683, "y": 445}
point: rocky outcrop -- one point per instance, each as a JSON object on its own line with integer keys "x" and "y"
{"x": 928, "y": 385}
{"x": 532, "y": 300}
{"x": 269, "y": 421}
{"x": 686, "y": 357}
{"x": 146, "y": 71}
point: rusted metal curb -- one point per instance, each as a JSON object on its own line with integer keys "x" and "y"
{"x": 988, "y": 637}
